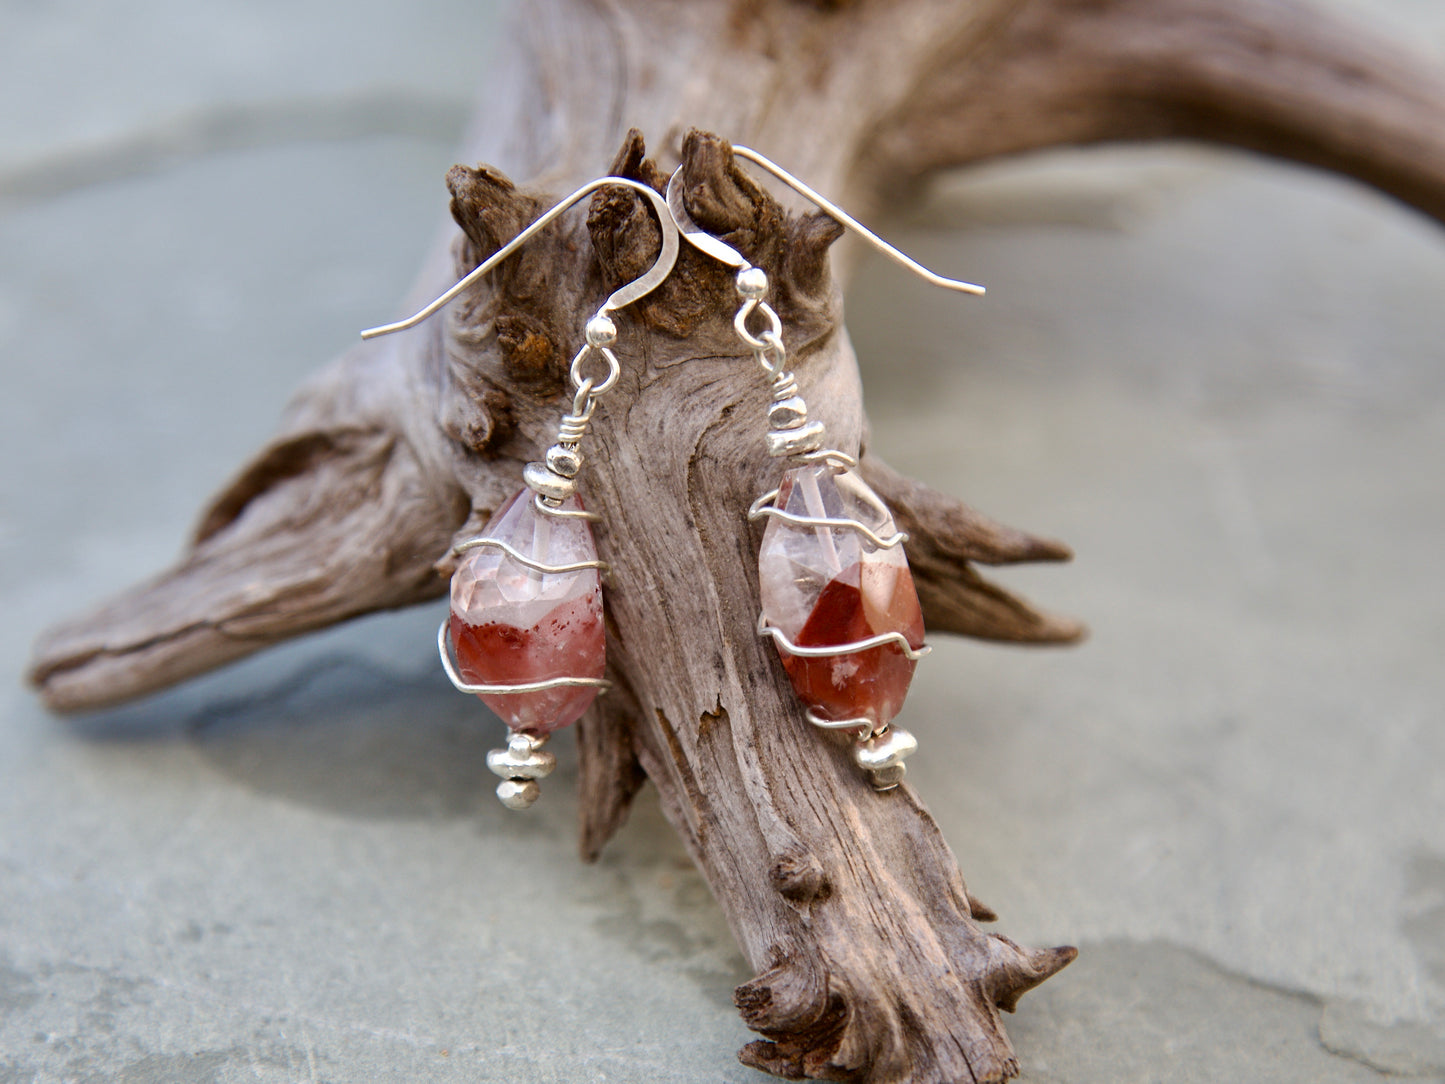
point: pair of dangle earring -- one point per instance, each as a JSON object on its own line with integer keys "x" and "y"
{"x": 526, "y": 621}
{"x": 838, "y": 598}
{"x": 837, "y": 595}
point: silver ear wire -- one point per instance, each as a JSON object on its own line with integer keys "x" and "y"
{"x": 622, "y": 297}
{"x": 852, "y": 223}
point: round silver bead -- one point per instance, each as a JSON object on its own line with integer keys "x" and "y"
{"x": 547, "y": 483}
{"x": 601, "y": 331}
{"x": 887, "y": 778}
{"x": 518, "y": 793}
{"x": 752, "y": 283}
{"x": 564, "y": 460}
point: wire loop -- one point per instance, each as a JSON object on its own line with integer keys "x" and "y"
{"x": 614, "y": 369}
{"x": 775, "y": 325}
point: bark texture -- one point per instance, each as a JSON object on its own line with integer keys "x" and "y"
{"x": 871, "y": 962}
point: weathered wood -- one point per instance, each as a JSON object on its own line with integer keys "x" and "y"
{"x": 871, "y": 963}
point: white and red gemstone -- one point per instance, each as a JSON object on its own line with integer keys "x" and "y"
{"x": 828, "y": 586}
{"x": 513, "y": 625}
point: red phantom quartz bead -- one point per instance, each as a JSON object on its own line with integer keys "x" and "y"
{"x": 828, "y": 586}
{"x": 513, "y": 625}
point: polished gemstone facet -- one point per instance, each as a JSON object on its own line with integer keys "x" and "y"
{"x": 826, "y": 586}
{"x": 514, "y": 625}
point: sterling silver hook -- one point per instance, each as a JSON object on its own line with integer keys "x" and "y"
{"x": 625, "y": 295}
{"x": 846, "y": 219}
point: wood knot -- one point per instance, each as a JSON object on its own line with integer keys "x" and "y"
{"x": 790, "y": 997}
{"x": 790, "y": 1003}
{"x": 529, "y": 353}
{"x": 1012, "y": 971}
{"x": 489, "y": 209}
{"x": 478, "y": 422}
{"x": 799, "y": 876}
{"x": 726, "y": 200}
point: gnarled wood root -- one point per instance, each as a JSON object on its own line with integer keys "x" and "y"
{"x": 871, "y": 963}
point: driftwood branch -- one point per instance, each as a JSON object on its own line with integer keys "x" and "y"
{"x": 1282, "y": 77}
{"x": 870, "y": 958}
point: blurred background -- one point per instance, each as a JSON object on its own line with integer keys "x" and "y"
{"x": 1218, "y": 377}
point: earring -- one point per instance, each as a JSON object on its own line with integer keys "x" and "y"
{"x": 526, "y": 600}
{"x": 838, "y": 599}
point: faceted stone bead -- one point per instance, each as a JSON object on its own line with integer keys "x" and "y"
{"x": 511, "y": 624}
{"x": 825, "y": 586}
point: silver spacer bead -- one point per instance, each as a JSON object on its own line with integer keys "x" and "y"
{"x": 601, "y": 331}
{"x": 564, "y": 459}
{"x": 752, "y": 283}
{"x": 799, "y": 441}
{"x": 547, "y": 483}
{"x": 789, "y": 413}
{"x": 518, "y": 793}
{"x": 521, "y": 761}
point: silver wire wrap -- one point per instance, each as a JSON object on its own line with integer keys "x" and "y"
{"x": 556, "y": 513}
{"x": 761, "y": 509}
{"x": 574, "y": 424}
{"x": 825, "y": 651}
{"x": 832, "y": 455}
{"x": 861, "y": 728}
{"x": 862, "y": 725}
{"x": 798, "y": 439}
{"x": 553, "y": 487}
{"x": 523, "y": 559}
{"x": 444, "y": 649}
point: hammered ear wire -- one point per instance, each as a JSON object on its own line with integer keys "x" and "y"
{"x": 626, "y": 295}
{"x": 732, "y": 258}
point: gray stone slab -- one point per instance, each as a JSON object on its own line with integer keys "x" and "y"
{"x": 1201, "y": 1025}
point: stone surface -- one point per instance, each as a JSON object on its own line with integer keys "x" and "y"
{"x": 1218, "y": 379}
{"x": 514, "y": 625}
{"x": 831, "y": 586}
{"x": 1202, "y": 1025}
